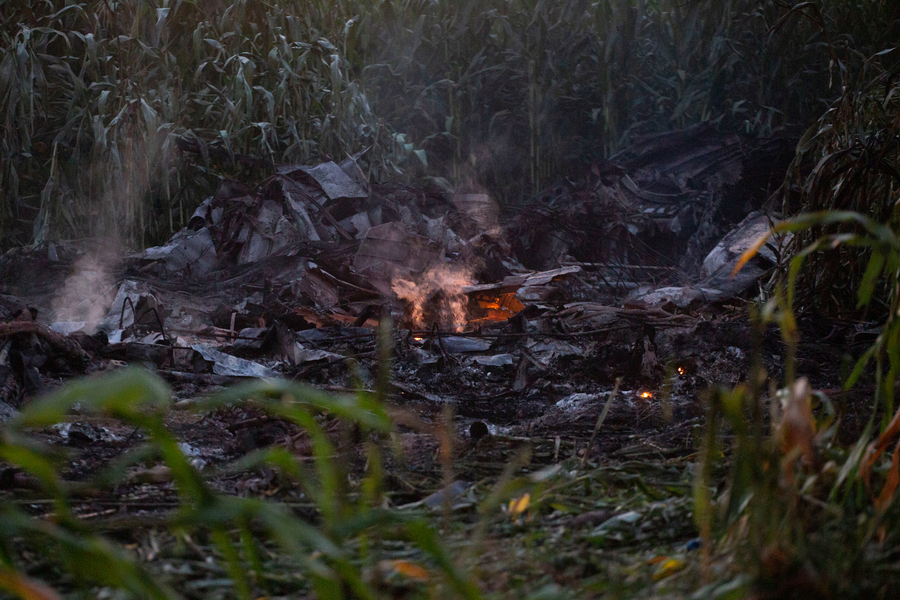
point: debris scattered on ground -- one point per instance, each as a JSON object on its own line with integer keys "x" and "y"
{"x": 499, "y": 318}
{"x": 509, "y": 330}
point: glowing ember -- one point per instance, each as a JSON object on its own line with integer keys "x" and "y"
{"x": 499, "y": 308}
{"x": 438, "y": 292}
{"x": 418, "y": 339}
{"x": 646, "y": 395}
{"x": 492, "y": 306}
{"x": 681, "y": 370}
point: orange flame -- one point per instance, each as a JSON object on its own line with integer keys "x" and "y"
{"x": 444, "y": 280}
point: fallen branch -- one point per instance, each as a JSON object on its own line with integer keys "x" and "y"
{"x": 60, "y": 343}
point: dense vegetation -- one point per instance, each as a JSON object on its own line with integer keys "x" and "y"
{"x": 508, "y": 95}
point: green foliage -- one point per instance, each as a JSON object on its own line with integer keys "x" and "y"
{"x": 818, "y": 517}
{"x": 512, "y": 94}
{"x": 94, "y": 93}
{"x": 323, "y": 554}
{"x": 792, "y": 507}
{"x": 857, "y": 168}
{"x": 507, "y": 95}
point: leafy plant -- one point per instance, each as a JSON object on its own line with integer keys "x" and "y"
{"x": 857, "y": 168}
{"x": 804, "y": 505}
{"x": 96, "y": 96}
{"x": 795, "y": 496}
{"x": 241, "y": 528}
{"x": 506, "y": 96}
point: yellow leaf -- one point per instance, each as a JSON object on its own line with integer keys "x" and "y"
{"x": 798, "y": 426}
{"x": 751, "y": 252}
{"x": 892, "y": 480}
{"x": 519, "y": 505}
{"x": 409, "y": 570}
{"x": 25, "y": 588}
{"x": 670, "y": 567}
{"x": 874, "y": 451}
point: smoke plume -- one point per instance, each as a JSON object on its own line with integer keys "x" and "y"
{"x": 88, "y": 291}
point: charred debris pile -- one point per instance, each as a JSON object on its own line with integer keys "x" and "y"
{"x": 594, "y": 279}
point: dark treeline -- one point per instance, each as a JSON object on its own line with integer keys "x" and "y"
{"x": 503, "y": 95}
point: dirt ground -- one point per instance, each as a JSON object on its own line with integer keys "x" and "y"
{"x": 513, "y": 396}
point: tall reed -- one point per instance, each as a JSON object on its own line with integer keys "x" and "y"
{"x": 501, "y": 95}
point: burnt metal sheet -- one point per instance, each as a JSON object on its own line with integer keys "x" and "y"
{"x": 514, "y": 282}
{"x": 738, "y": 240}
{"x": 335, "y": 182}
{"x": 232, "y": 366}
{"x": 186, "y": 248}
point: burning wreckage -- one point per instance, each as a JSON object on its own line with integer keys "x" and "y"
{"x": 506, "y": 314}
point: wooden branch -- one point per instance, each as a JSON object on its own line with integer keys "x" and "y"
{"x": 60, "y": 343}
